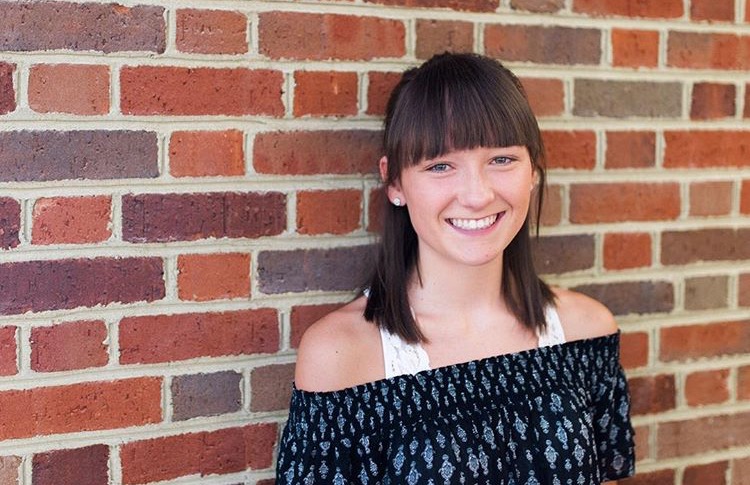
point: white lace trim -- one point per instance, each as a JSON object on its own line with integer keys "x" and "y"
{"x": 401, "y": 357}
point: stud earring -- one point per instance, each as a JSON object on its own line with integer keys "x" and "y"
{"x": 397, "y": 202}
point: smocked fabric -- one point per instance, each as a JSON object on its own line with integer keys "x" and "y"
{"x": 551, "y": 415}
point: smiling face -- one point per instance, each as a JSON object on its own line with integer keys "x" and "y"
{"x": 466, "y": 206}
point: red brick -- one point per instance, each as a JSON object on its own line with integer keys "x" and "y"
{"x": 10, "y": 470}
{"x": 102, "y": 27}
{"x": 710, "y": 198}
{"x": 741, "y": 466}
{"x": 627, "y": 250}
{"x": 634, "y": 349}
{"x": 71, "y": 220}
{"x": 743, "y": 290}
{"x": 68, "y": 346}
{"x": 660, "y": 477}
{"x": 187, "y": 217}
{"x": 272, "y": 387}
{"x": 635, "y": 48}
{"x": 743, "y": 383}
{"x": 328, "y": 211}
{"x": 7, "y": 91}
{"x": 709, "y": 340}
{"x": 546, "y": 96}
{"x": 714, "y": 10}
{"x": 642, "y": 444}
{"x": 625, "y": 202}
{"x": 544, "y": 6}
{"x": 89, "y": 406}
{"x": 745, "y": 197}
{"x": 746, "y": 112}
{"x": 10, "y": 222}
{"x": 166, "y": 90}
{"x": 211, "y": 31}
{"x": 8, "y": 353}
{"x": 69, "y": 88}
{"x": 305, "y": 315}
{"x": 544, "y": 45}
{"x": 570, "y": 149}
{"x": 706, "y": 149}
{"x": 317, "y": 152}
{"x": 712, "y": 101}
{"x": 630, "y": 8}
{"x": 652, "y": 394}
{"x": 206, "y": 153}
{"x": 205, "y": 277}
{"x": 376, "y": 204}
{"x": 329, "y": 93}
{"x": 468, "y": 5}
{"x": 707, "y": 387}
{"x": 82, "y": 466}
{"x": 438, "y": 36}
{"x": 552, "y": 208}
{"x": 310, "y": 36}
{"x": 683, "y": 247}
{"x": 697, "y": 436}
{"x": 95, "y": 155}
{"x": 699, "y": 50}
{"x": 228, "y": 450}
{"x": 630, "y": 149}
{"x": 70, "y": 283}
{"x": 379, "y": 88}
{"x": 165, "y": 338}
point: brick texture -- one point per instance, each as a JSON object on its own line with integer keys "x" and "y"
{"x": 630, "y": 8}
{"x": 330, "y": 93}
{"x": 570, "y": 149}
{"x": 652, "y": 394}
{"x": 379, "y": 87}
{"x": 634, "y": 349}
{"x": 629, "y": 297}
{"x": 271, "y": 387}
{"x": 68, "y": 346}
{"x": 741, "y": 471}
{"x": 619, "y": 99}
{"x": 223, "y": 451}
{"x": 627, "y": 250}
{"x": 706, "y": 292}
{"x": 635, "y": 48}
{"x": 561, "y": 254}
{"x": 546, "y": 6}
{"x": 305, "y": 315}
{"x": 683, "y": 247}
{"x": 710, "y": 198}
{"x": 542, "y": 44}
{"x": 8, "y": 352}
{"x": 10, "y": 472}
{"x": 626, "y": 202}
{"x": 94, "y": 155}
{"x": 437, "y": 36}
{"x": 7, "y": 89}
{"x": 10, "y": 222}
{"x": 68, "y": 88}
{"x": 205, "y": 394}
{"x": 71, "y": 220}
{"x": 743, "y": 383}
{"x": 211, "y": 31}
{"x": 213, "y": 276}
{"x": 699, "y": 50}
{"x": 710, "y": 340}
{"x": 206, "y": 153}
{"x": 745, "y": 197}
{"x": 546, "y": 96}
{"x": 744, "y": 289}
{"x": 712, "y": 101}
{"x": 630, "y": 149}
{"x": 165, "y": 338}
{"x": 470, "y": 5}
{"x": 328, "y": 212}
{"x": 71, "y": 283}
{"x": 712, "y": 10}
{"x": 84, "y": 466}
{"x": 707, "y": 387}
{"x": 187, "y": 217}
{"x": 700, "y": 435}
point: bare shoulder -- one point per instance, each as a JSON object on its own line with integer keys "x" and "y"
{"x": 583, "y": 317}
{"x": 340, "y": 350}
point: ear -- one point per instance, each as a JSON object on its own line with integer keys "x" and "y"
{"x": 393, "y": 190}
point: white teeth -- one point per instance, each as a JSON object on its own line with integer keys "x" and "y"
{"x": 474, "y": 224}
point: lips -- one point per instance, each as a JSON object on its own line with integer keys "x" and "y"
{"x": 474, "y": 224}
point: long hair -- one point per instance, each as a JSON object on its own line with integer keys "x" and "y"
{"x": 454, "y": 102}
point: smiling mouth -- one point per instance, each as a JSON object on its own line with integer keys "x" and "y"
{"x": 474, "y": 224}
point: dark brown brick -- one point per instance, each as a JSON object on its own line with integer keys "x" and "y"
{"x": 70, "y": 283}
{"x": 545, "y": 45}
{"x": 10, "y": 222}
{"x": 99, "y": 27}
{"x": 684, "y": 247}
{"x": 206, "y": 394}
{"x": 706, "y": 292}
{"x": 652, "y": 394}
{"x": 700, "y": 435}
{"x": 337, "y": 269}
{"x": 561, "y": 254}
{"x": 543, "y": 6}
{"x": 620, "y": 99}
{"x": 163, "y": 338}
{"x": 61, "y": 155}
{"x": 187, "y": 217}
{"x": 437, "y": 36}
{"x": 709, "y": 340}
{"x": 7, "y": 91}
{"x": 712, "y": 101}
{"x": 315, "y": 152}
{"x": 630, "y": 297}
{"x": 82, "y": 466}
{"x": 272, "y": 387}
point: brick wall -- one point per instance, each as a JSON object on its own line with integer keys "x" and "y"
{"x": 185, "y": 186}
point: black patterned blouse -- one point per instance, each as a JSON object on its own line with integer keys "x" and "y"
{"x": 551, "y": 415}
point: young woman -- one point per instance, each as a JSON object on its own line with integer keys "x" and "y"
{"x": 458, "y": 365}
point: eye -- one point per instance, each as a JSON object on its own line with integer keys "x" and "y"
{"x": 502, "y": 160}
{"x": 438, "y": 168}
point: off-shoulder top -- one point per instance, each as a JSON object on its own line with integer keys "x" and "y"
{"x": 553, "y": 415}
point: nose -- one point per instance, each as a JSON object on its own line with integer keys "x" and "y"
{"x": 476, "y": 190}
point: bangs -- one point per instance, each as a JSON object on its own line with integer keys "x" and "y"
{"x": 458, "y": 104}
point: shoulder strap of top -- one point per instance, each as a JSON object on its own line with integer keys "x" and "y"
{"x": 554, "y": 333}
{"x": 401, "y": 357}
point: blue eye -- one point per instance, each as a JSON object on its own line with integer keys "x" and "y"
{"x": 438, "y": 167}
{"x": 502, "y": 160}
